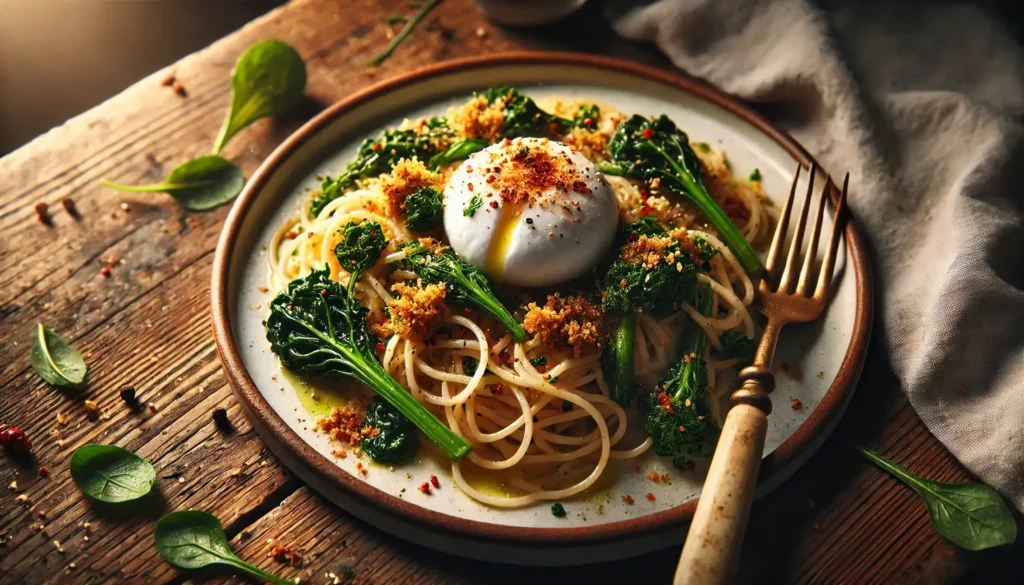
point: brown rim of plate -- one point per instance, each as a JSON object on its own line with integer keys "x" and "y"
{"x": 825, "y": 413}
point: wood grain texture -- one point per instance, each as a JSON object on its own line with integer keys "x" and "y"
{"x": 837, "y": 521}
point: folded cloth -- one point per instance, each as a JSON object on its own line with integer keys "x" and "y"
{"x": 922, "y": 104}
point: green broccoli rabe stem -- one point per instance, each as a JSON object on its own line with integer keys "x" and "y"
{"x": 611, "y": 169}
{"x": 617, "y": 360}
{"x": 492, "y": 306}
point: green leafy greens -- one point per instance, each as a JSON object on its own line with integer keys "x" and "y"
{"x": 676, "y": 415}
{"x": 522, "y": 115}
{"x": 200, "y": 184}
{"x": 970, "y": 515}
{"x": 474, "y": 205}
{"x": 111, "y": 474}
{"x": 630, "y": 286}
{"x": 587, "y": 116}
{"x": 191, "y": 539}
{"x": 656, "y": 149}
{"x": 268, "y": 80}
{"x": 467, "y": 286}
{"x": 423, "y": 208}
{"x": 393, "y": 439}
{"x": 317, "y": 328}
{"x": 360, "y": 246}
{"x": 457, "y": 151}
{"x": 377, "y": 156}
{"x": 56, "y": 361}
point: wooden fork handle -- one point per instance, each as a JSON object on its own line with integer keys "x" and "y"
{"x": 712, "y": 547}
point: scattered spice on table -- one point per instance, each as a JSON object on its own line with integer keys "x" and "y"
{"x": 283, "y": 554}
{"x": 42, "y": 212}
{"x": 179, "y": 89}
{"x": 795, "y": 403}
{"x": 127, "y": 394}
{"x": 220, "y": 418}
{"x": 92, "y": 410}
{"x": 69, "y": 206}
{"x": 168, "y": 80}
{"x": 628, "y": 499}
{"x": 434, "y": 481}
{"x": 425, "y": 488}
{"x": 15, "y": 440}
{"x": 650, "y": 497}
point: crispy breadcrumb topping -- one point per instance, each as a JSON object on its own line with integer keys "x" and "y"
{"x": 569, "y": 321}
{"x": 479, "y": 119}
{"x": 342, "y": 425}
{"x": 523, "y": 172}
{"x": 407, "y": 177}
{"x": 591, "y": 143}
{"x": 414, "y": 312}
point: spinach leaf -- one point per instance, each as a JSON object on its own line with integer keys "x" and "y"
{"x": 457, "y": 151}
{"x": 391, "y": 438}
{"x": 191, "y": 539}
{"x": 423, "y": 209}
{"x": 268, "y": 80}
{"x": 111, "y": 474}
{"x": 200, "y": 184}
{"x": 522, "y": 115}
{"x": 971, "y": 515}
{"x": 55, "y": 361}
{"x": 360, "y": 246}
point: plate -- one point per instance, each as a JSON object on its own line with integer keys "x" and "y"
{"x": 822, "y": 360}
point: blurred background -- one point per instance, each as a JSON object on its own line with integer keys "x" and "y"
{"x": 58, "y": 58}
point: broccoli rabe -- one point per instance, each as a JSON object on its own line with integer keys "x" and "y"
{"x": 587, "y": 116}
{"x": 657, "y": 150}
{"x": 379, "y": 155}
{"x": 467, "y": 286}
{"x": 423, "y": 209}
{"x": 360, "y": 246}
{"x": 522, "y": 115}
{"x": 457, "y": 151}
{"x": 634, "y": 284}
{"x": 676, "y": 414}
{"x": 388, "y": 437}
{"x": 317, "y": 328}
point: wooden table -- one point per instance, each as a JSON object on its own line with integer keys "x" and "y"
{"x": 148, "y": 324}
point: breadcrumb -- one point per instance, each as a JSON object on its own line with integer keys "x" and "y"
{"x": 479, "y": 119}
{"x": 569, "y": 321}
{"x": 407, "y": 177}
{"x": 342, "y": 425}
{"x": 414, "y": 312}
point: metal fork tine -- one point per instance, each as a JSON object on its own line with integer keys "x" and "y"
{"x": 803, "y": 286}
{"x": 825, "y": 279}
{"x": 794, "y": 246}
{"x": 779, "y": 239}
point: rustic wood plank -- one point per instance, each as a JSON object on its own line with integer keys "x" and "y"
{"x": 148, "y": 325}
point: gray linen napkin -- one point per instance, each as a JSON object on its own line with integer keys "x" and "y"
{"x": 922, "y": 104}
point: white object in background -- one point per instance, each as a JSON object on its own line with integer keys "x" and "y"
{"x": 528, "y": 12}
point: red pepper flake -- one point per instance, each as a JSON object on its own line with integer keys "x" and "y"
{"x": 644, "y": 194}
{"x": 376, "y": 146}
{"x": 648, "y": 133}
{"x": 434, "y": 481}
{"x": 42, "y": 212}
{"x": 795, "y": 403}
{"x": 657, "y": 477}
{"x": 627, "y": 499}
{"x": 469, "y": 186}
{"x": 179, "y": 89}
{"x": 551, "y": 234}
{"x": 588, "y": 122}
{"x": 14, "y": 439}
{"x": 650, "y": 497}
{"x": 167, "y": 81}
{"x": 69, "y": 205}
{"x": 290, "y": 235}
{"x": 425, "y": 488}
{"x": 43, "y": 471}
{"x": 323, "y": 292}
{"x": 961, "y": 390}
{"x": 690, "y": 465}
{"x": 105, "y": 271}
{"x": 360, "y": 467}
{"x": 665, "y": 401}
{"x": 379, "y": 348}
{"x": 494, "y": 204}
{"x": 506, "y": 142}
{"x": 645, "y": 209}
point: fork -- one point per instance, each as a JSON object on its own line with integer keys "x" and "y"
{"x": 711, "y": 551}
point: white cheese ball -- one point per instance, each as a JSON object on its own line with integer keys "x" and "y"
{"x": 544, "y": 213}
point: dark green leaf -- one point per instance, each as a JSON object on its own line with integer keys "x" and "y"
{"x": 539, "y": 361}
{"x": 200, "y": 184}
{"x": 457, "y": 151}
{"x": 268, "y": 80}
{"x": 191, "y": 539}
{"x": 423, "y": 209}
{"x": 55, "y": 361}
{"x": 360, "y": 246}
{"x": 755, "y": 175}
{"x": 317, "y": 328}
{"x": 469, "y": 365}
{"x": 111, "y": 474}
{"x": 395, "y": 440}
{"x": 558, "y": 510}
{"x": 971, "y": 515}
{"x": 522, "y": 115}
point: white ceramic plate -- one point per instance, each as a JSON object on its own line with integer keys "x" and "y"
{"x": 823, "y": 359}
